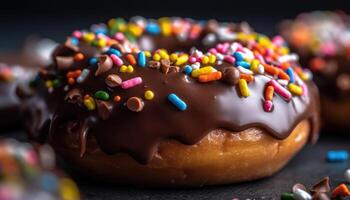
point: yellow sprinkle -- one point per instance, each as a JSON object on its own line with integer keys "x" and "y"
{"x": 89, "y": 103}
{"x": 164, "y": 54}
{"x": 173, "y": 57}
{"x": 295, "y": 89}
{"x": 135, "y": 30}
{"x": 243, "y": 87}
{"x": 89, "y": 37}
{"x": 147, "y": 53}
{"x": 165, "y": 26}
{"x": 49, "y": 84}
{"x": 303, "y": 76}
{"x": 182, "y": 59}
{"x": 212, "y": 59}
{"x": 201, "y": 71}
{"x": 111, "y": 22}
{"x": 205, "y": 60}
{"x": 149, "y": 95}
{"x": 68, "y": 189}
{"x": 101, "y": 42}
{"x": 284, "y": 50}
{"x": 156, "y": 57}
{"x": 255, "y": 65}
{"x": 129, "y": 69}
{"x": 123, "y": 68}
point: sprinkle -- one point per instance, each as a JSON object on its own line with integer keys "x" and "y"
{"x": 163, "y": 54}
{"x": 300, "y": 194}
{"x": 93, "y": 61}
{"x": 271, "y": 69}
{"x": 187, "y": 69}
{"x": 238, "y": 56}
{"x": 347, "y": 175}
{"x": 295, "y": 89}
{"x": 131, "y": 82}
{"x": 116, "y": 60}
{"x": 177, "y": 102}
{"x": 268, "y": 105}
{"x": 84, "y": 74}
{"x": 283, "y": 82}
{"x": 285, "y": 76}
{"x": 337, "y": 156}
{"x": 247, "y": 77}
{"x": 205, "y": 60}
{"x": 243, "y": 87}
{"x": 117, "y": 98}
{"x": 341, "y": 191}
{"x": 156, "y": 57}
{"x": 78, "y": 57}
{"x": 269, "y": 93}
{"x": 101, "y": 95}
{"x": 181, "y": 60}
{"x": 89, "y": 103}
{"x": 201, "y": 71}
{"x": 173, "y": 57}
{"x": 290, "y": 73}
{"x": 283, "y": 92}
{"x": 149, "y": 95}
{"x": 141, "y": 57}
{"x": 123, "y": 68}
{"x": 212, "y": 59}
{"x": 287, "y": 196}
{"x": 210, "y": 77}
{"x": 114, "y": 51}
{"x": 229, "y": 59}
{"x": 244, "y": 70}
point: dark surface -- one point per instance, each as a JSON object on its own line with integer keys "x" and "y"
{"x": 307, "y": 167}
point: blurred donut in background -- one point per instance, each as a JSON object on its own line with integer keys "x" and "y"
{"x": 322, "y": 40}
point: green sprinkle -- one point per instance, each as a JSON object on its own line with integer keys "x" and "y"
{"x": 56, "y": 83}
{"x": 287, "y": 196}
{"x": 102, "y": 95}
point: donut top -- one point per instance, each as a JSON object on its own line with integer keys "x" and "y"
{"x": 104, "y": 84}
{"x": 322, "y": 39}
{"x": 30, "y": 173}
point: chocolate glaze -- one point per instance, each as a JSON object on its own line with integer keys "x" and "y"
{"x": 210, "y": 106}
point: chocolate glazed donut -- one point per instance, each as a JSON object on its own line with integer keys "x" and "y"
{"x": 151, "y": 118}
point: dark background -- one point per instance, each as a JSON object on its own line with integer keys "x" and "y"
{"x": 57, "y": 18}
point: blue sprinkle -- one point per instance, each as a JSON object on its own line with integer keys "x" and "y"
{"x": 337, "y": 156}
{"x": 74, "y": 41}
{"x": 290, "y": 73}
{"x": 177, "y": 102}
{"x": 114, "y": 51}
{"x": 187, "y": 69}
{"x": 141, "y": 57}
{"x": 49, "y": 182}
{"x": 153, "y": 28}
{"x": 243, "y": 64}
{"x": 238, "y": 56}
{"x": 93, "y": 61}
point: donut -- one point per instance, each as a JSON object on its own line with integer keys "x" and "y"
{"x": 176, "y": 102}
{"x": 29, "y": 172}
{"x": 321, "y": 38}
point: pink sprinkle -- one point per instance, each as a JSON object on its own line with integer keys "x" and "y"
{"x": 305, "y": 90}
{"x": 229, "y": 59}
{"x": 77, "y": 34}
{"x": 283, "y": 92}
{"x": 213, "y": 51}
{"x": 240, "y": 49}
{"x": 192, "y": 59}
{"x": 131, "y": 82}
{"x": 235, "y": 46}
{"x": 278, "y": 40}
{"x": 116, "y": 60}
{"x": 268, "y": 105}
{"x": 260, "y": 58}
{"x": 119, "y": 36}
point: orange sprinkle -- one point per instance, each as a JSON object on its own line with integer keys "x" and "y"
{"x": 74, "y": 74}
{"x": 269, "y": 92}
{"x": 342, "y": 191}
{"x": 117, "y": 99}
{"x": 283, "y": 75}
{"x": 79, "y": 57}
{"x": 247, "y": 77}
{"x": 131, "y": 59}
{"x": 271, "y": 69}
{"x": 298, "y": 70}
{"x": 111, "y": 42}
{"x": 71, "y": 81}
{"x": 209, "y": 77}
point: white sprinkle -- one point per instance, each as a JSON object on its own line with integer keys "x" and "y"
{"x": 282, "y": 82}
{"x": 300, "y": 194}
{"x": 347, "y": 175}
{"x": 244, "y": 70}
{"x": 196, "y": 65}
{"x": 219, "y": 56}
{"x": 261, "y": 69}
{"x": 209, "y": 39}
{"x": 84, "y": 74}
